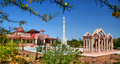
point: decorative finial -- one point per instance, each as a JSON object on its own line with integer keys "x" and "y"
{"x": 63, "y": 18}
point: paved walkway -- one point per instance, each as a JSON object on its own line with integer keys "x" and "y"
{"x": 96, "y": 54}
{"x": 101, "y": 53}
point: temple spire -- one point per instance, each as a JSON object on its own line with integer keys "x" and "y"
{"x": 64, "y": 40}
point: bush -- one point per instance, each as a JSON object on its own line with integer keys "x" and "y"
{"x": 115, "y": 47}
{"x": 28, "y": 55}
{"x": 7, "y": 50}
{"x": 58, "y": 56}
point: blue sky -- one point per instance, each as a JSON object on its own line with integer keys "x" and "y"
{"x": 85, "y": 17}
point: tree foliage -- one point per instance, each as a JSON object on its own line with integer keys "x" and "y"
{"x": 74, "y": 43}
{"x": 23, "y": 5}
{"x": 114, "y": 8}
{"x": 116, "y": 42}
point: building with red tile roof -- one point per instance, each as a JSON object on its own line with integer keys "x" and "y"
{"x": 33, "y": 35}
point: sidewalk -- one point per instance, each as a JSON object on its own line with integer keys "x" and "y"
{"x": 101, "y": 53}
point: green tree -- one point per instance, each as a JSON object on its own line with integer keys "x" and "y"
{"x": 58, "y": 41}
{"x": 116, "y": 42}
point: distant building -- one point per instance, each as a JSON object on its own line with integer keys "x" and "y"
{"x": 33, "y": 35}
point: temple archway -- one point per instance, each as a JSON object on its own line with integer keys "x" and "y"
{"x": 40, "y": 37}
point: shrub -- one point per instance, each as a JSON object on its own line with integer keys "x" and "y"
{"x": 93, "y": 61}
{"x": 115, "y": 47}
{"x": 59, "y": 57}
{"x": 28, "y": 55}
{"x": 7, "y": 50}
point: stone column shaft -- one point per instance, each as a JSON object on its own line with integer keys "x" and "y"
{"x": 44, "y": 41}
{"x": 89, "y": 44}
{"x": 112, "y": 44}
{"x": 107, "y": 45}
{"x": 96, "y": 46}
{"x": 104, "y": 44}
{"x": 51, "y": 41}
{"x": 83, "y": 44}
{"x": 35, "y": 41}
{"x": 92, "y": 41}
{"x": 99, "y": 45}
{"x": 86, "y": 44}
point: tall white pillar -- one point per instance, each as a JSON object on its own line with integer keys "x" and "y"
{"x": 92, "y": 41}
{"x": 107, "y": 45}
{"x": 89, "y": 44}
{"x": 99, "y": 45}
{"x": 112, "y": 44}
{"x": 35, "y": 41}
{"x": 104, "y": 44}
{"x": 51, "y": 41}
{"x": 44, "y": 41}
{"x": 83, "y": 44}
{"x": 96, "y": 45}
{"x": 86, "y": 44}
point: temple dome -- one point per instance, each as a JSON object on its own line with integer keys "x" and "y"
{"x": 33, "y": 30}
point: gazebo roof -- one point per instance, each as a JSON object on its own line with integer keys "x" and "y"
{"x": 87, "y": 34}
{"x": 109, "y": 35}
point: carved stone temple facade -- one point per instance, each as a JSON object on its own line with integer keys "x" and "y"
{"x": 97, "y": 42}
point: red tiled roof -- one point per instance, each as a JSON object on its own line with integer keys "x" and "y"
{"x": 33, "y": 30}
{"x": 42, "y": 30}
{"x": 20, "y": 29}
{"x": 22, "y": 37}
{"x": 26, "y": 37}
{"x": 14, "y": 37}
{"x": 15, "y": 28}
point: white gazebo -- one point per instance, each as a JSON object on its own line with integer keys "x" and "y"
{"x": 97, "y": 42}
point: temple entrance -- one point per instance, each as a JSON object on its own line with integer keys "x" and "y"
{"x": 39, "y": 40}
